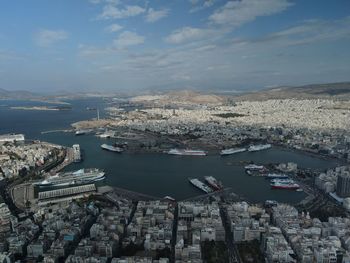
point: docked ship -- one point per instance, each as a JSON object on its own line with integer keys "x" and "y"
{"x": 111, "y": 148}
{"x": 283, "y": 185}
{"x": 254, "y": 167}
{"x": 80, "y": 177}
{"x": 259, "y": 147}
{"x": 81, "y": 132}
{"x": 76, "y": 153}
{"x": 232, "y": 151}
{"x": 213, "y": 183}
{"x": 187, "y": 152}
{"x": 276, "y": 176}
{"x": 200, "y": 185}
{"x": 287, "y": 180}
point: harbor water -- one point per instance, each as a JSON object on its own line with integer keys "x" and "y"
{"x": 153, "y": 173}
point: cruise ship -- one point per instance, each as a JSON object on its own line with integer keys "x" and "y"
{"x": 213, "y": 183}
{"x": 259, "y": 147}
{"x": 83, "y": 176}
{"x": 111, "y": 148}
{"x": 200, "y": 185}
{"x": 288, "y": 186}
{"x": 187, "y": 152}
{"x": 254, "y": 167}
{"x": 232, "y": 151}
{"x": 276, "y": 176}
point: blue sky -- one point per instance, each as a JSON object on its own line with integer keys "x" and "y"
{"x": 129, "y": 45}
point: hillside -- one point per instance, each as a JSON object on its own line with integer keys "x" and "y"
{"x": 184, "y": 97}
{"x": 322, "y": 91}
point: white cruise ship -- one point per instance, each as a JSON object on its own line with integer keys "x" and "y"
{"x": 259, "y": 147}
{"x": 187, "y": 152}
{"x": 232, "y": 151}
{"x": 82, "y": 176}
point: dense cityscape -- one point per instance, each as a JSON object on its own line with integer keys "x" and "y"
{"x": 187, "y": 131}
{"x": 84, "y": 221}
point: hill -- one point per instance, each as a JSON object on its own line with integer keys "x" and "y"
{"x": 339, "y": 90}
{"x": 183, "y": 97}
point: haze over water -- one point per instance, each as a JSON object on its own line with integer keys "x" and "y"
{"x": 153, "y": 173}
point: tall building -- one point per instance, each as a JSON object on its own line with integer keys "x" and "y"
{"x": 343, "y": 185}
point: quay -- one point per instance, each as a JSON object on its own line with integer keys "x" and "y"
{"x": 67, "y": 192}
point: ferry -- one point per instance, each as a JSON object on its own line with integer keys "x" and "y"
{"x": 276, "y": 176}
{"x": 286, "y": 180}
{"x": 81, "y": 132}
{"x": 287, "y": 186}
{"x": 259, "y": 147}
{"x": 187, "y": 152}
{"x": 213, "y": 183}
{"x": 82, "y": 176}
{"x": 111, "y": 148}
{"x": 76, "y": 153}
{"x": 200, "y": 185}
{"x": 254, "y": 167}
{"x": 232, "y": 151}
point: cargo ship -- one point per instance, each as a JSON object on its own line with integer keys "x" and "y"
{"x": 287, "y": 186}
{"x": 200, "y": 185}
{"x": 259, "y": 147}
{"x": 213, "y": 183}
{"x": 111, "y": 148}
{"x": 232, "y": 151}
{"x": 186, "y": 152}
{"x": 254, "y": 167}
{"x": 83, "y": 176}
{"x": 276, "y": 176}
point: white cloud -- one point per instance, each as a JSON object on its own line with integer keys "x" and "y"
{"x": 236, "y": 13}
{"x": 113, "y": 12}
{"x": 95, "y": 2}
{"x": 47, "y": 37}
{"x": 155, "y": 15}
{"x": 186, "y": 34}
{"x": 308, "y": 32}
{"x": 198, "y": 5}
{"x": 112, "y": 2}
{"x": 113, "y": 28}
{"x": 127, "y": 39}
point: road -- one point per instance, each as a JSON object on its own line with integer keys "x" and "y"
{"x": 232, "y": 249}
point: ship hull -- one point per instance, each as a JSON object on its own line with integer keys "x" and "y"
{"x": 187, "y": 152}
{"x": 285, "y": 187}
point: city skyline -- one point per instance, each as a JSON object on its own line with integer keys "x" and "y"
{"x": 111, "y": 45}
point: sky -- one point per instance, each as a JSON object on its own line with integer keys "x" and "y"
{"x": 142, "y": 45}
